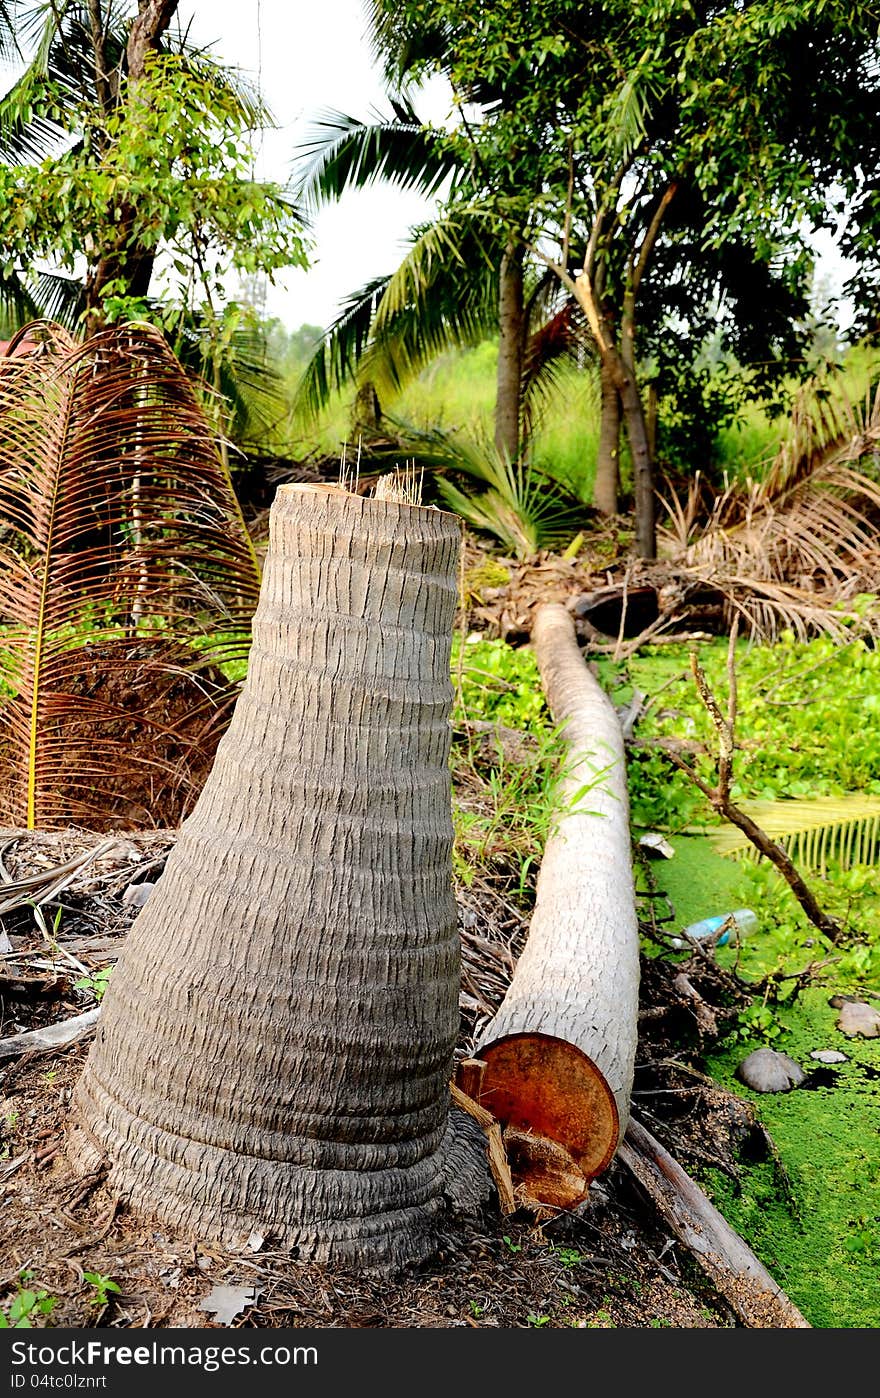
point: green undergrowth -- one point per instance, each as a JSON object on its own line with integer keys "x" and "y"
{"x": 505, "y": 796}
{"x": 808, "y": 723}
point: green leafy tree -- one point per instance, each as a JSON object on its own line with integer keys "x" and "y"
{"x": 116, "y": 152}
{"x": 596, "y": 121}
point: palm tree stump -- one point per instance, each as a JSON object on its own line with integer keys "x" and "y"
{"x": 275, "y": 1048}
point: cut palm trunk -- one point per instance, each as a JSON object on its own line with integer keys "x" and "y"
{"x": 276, "y": 1043}
{"x": 558, "y": 1057}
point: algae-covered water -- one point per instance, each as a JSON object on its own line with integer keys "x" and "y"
{"x": 827, "y": 1254}
{"x": 821, "y": 1239}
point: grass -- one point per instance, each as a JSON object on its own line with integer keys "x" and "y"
{"x": 457, "y": 393}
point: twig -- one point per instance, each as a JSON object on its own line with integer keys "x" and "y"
{"x": 623, "y": 610}
{"x": 55, "y": 1036}
{"x": 720, "y": 800}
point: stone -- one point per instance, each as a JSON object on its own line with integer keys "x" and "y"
{"x": 858, "y": 1018}
{"x": 766, "y": 1070}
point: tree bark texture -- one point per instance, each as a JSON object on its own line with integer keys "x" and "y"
{"x": 276, "y": 1044}
{"x": 511, "y": 320}
{"x": 559, "y": 1054}
{"x": 642, "y": 464}
{"x": 607, "y": 481}
{"x": 145, "y": 35}
{"x": 618, "y": 361}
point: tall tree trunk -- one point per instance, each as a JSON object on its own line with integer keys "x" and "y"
{"x": 511, "y": 319}
{"x": 607, "y": 482}
{"x": 275, "y": 1047}
{"x": 643, "y": 465}
{"x": 131, "y": 263}
{"x": 651, "y": 420}
{"x": 637, "y": 431}
{"x": 619, "y": 364}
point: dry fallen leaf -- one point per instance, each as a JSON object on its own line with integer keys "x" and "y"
{"x": 226, "y": 1302}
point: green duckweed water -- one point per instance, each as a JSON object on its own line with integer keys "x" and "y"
{"x": 821, "y": 1239}
{"x": 827, "y": 1255}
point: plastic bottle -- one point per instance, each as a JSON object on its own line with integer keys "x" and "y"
{"x": 746, "y": 921}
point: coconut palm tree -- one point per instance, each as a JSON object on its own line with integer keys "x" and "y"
{"x": 458, "y": 283}
{"x": 309, "y": 895}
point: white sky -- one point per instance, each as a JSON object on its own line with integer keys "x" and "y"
{"x": 312, "y": 54}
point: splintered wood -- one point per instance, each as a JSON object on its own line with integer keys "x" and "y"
{"x": 497, "y": 1154}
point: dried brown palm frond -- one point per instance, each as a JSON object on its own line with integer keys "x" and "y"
{"x": 827, "y": 423}
{"x": 798, "y": 547}
{"x": 123, "y": 559}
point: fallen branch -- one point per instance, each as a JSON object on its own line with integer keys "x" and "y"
{"x": 727, "y": 1260}
{"x": 720, "y": 799}
{"x": 41, "y": 887}
{"x": 54, "y": 1036}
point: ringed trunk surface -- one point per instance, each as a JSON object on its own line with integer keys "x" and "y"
{"x": 559, "y": 1054}
{"x": 275, "y": 1047}
{"x": 511, "y": 320}
{"x": 607, "y": 481}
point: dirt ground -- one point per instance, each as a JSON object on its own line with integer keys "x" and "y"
{"x": 608, "y": 1264}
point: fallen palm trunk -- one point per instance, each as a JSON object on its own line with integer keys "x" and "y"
{"x": 276, "y": 1042}
{"x": 726, "y": 1259}
{"x": 558, "y": 1057}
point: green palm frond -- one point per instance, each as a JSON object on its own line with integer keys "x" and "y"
{"x": 344, "y": 153}
{"x": 250, "y": 384}
{"x": 444, "y": 295}
{"x": 515, "y": 502}
{"x": 60, "y": 299}
{"x": 9, "y": 49}
{"x": 334, "y": 362}
{"x": 844, "y": 828}
{"x": 17, "y": 298}
{"x": 122, "y": 556}
{"x": 26, "y": 134}
{"x": 44, "y": 296}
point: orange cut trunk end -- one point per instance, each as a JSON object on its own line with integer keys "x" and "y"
{"x": 560, "y": 1119}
